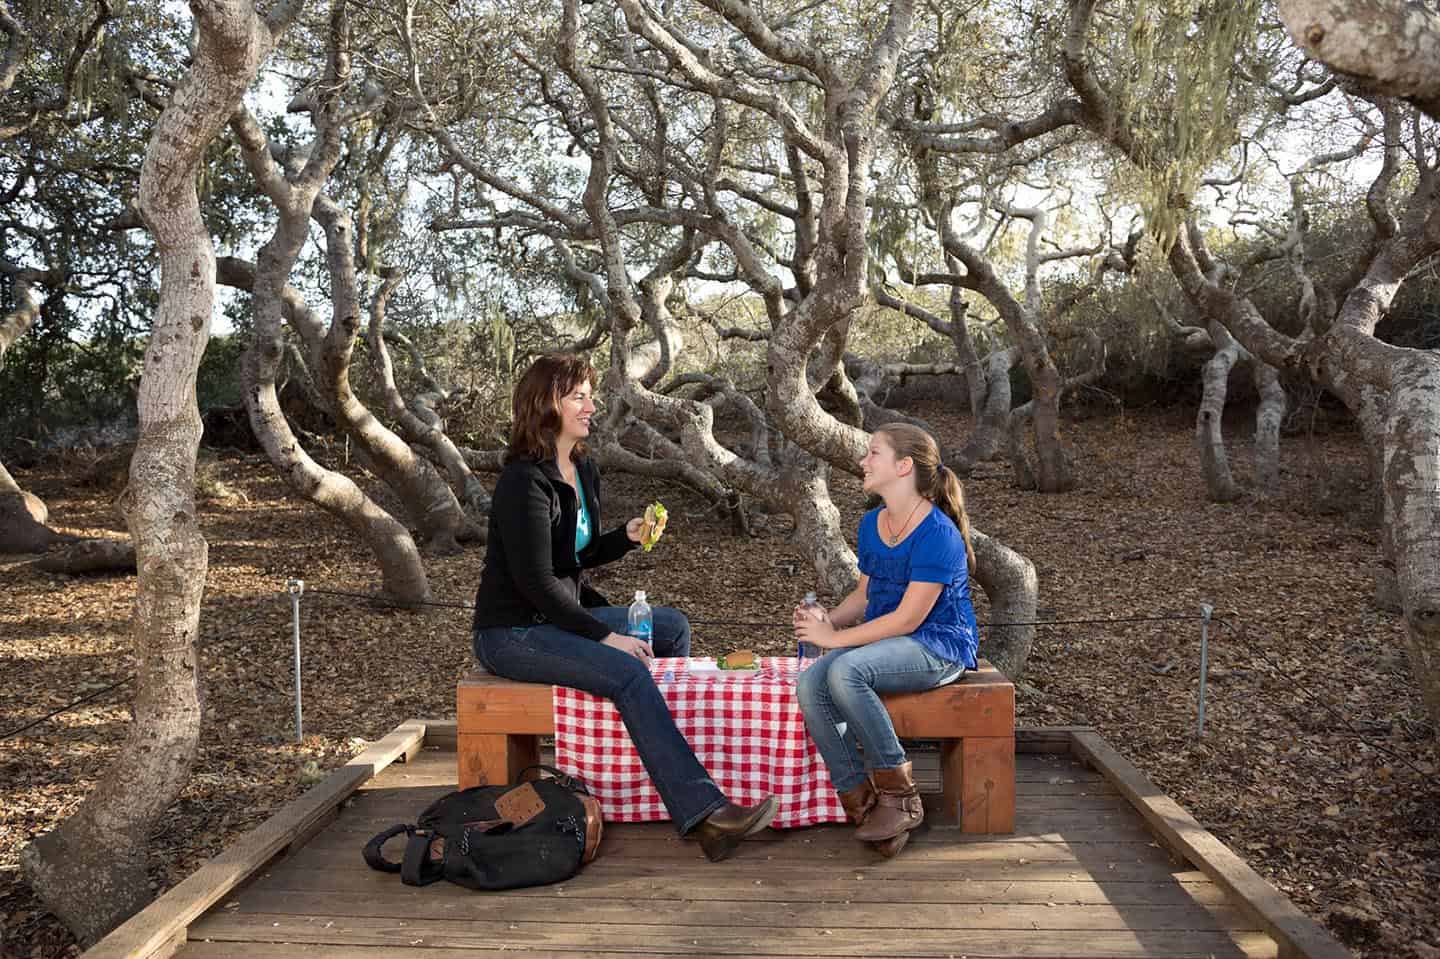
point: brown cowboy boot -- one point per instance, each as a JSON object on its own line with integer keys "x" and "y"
{"x": 898, "y": 810}
{"x": 858, "y": 802}
{"x": 724, "y": 828}
{"x": 889, "y": 847}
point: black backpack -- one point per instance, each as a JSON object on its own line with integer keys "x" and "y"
{"x": 498, "y": 837}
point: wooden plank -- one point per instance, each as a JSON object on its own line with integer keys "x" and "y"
{"x": 489, "y": 759}
{"x": 733, "y": 941}
{"x": 250, "y": 950}
{"x": 752, "y": 878}
{"x": 628, "y": 850}
{"x": 440, "y": 733}
{"x": 287, "y": 950}
{"x": 149, "y": 931}
{"x": 1033, "y": 768}
{"x": 934, "y": 861}
{"x": 1054, "y": 740}
{"x": 978, "y": 775}
{"x": 311, "y": 831}
{"x": 793, "y": 875}
{"x": 489, "y": 704}
{"x": 1102, "y": 858}
{"x": 982, "y": 704}
{"x": 871, "y": 866}
{"x": 362, "y": 822}
{"x": 829, "y": 839}
{"x": 1298, "y": 936}
{"x": 464, "y": 905}
{"x": 379, "y": 806}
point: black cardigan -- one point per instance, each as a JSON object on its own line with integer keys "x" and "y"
{"x": 531, "y": 574}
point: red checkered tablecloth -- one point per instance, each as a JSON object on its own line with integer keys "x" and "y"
{"x": 744, "y": 725}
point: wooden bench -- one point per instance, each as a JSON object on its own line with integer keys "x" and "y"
{"x": 499, "y": 723}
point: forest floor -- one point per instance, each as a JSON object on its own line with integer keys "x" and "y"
{"x": 1317, "y": 765}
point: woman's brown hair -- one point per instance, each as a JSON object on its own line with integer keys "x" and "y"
{"x": 934, "y": 481}
{"x": 536, "y": 404}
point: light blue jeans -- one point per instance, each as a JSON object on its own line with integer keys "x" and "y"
{"x": 840, "y": 696}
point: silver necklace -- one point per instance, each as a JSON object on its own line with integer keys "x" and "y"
{"x": 896, "y": 537}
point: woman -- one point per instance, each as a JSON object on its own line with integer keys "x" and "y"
{"x": 537, "y": 621}
{"x": 917, "y": 631}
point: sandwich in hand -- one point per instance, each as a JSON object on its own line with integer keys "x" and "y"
{"x": 652, "y": 526}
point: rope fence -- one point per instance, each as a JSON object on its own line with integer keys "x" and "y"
{"x": 296, "y": 589}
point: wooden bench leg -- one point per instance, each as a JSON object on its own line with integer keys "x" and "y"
{"x": 977, "y": 776}
{"x": 493, "y": 759}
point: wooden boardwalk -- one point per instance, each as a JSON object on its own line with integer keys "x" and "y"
{"x": 1081, "y": 877}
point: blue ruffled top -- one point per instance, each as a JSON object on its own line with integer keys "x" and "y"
{"x": 934, "y": 552}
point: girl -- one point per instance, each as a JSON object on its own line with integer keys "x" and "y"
{"x": 538, "y": 621}
{"x": 918, "y": 631}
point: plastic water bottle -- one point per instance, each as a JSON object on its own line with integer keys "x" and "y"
{"x": 642, "y": 620}
{"x": 811, "y": 604}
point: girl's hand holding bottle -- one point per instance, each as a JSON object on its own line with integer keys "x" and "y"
{"x": 809, "y": 611}
{"x": 810, "y": 614}
{"x": 816, "y": 632}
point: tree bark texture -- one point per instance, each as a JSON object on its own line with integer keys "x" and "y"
{"x": 1392, "y": 46}
{"x": 429, "y": 433}
{"x": 1013, "y": 588}
{"x": 429, "y": 501}
{"x": 91, "y": 870}
{"x": 1209, "y": 431}
{"x": 401, "y": 571}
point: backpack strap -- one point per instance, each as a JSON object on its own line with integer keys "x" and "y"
{"x": 563, "y": 778}
{"x": 418, "y": 869}
{"x": 373, "y": 854}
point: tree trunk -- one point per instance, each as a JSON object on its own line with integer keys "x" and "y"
{"x": 1269, "y": 416}
{"x": 1013, "y": 588}
{"x": 1209, "y": 434}
{"x": 26, "y": 308}
{"x": 817, "y": 528}
{"x": 1017, "y": 429}
{"x": 22, "y": 515}
{"x": 426, "y": 497}
{"x": 91, "y": 556}
{"x": 1411, "y": 480}
{"x": 992, "y": 416}
{"x": 22, "y": 519}
{"x": 1055, "y": 472}
{"x": 91, "y": 871}
{"x": 869, "y": 379}
{"x": 402, "y": 575}
{"x": 428, "y": 433}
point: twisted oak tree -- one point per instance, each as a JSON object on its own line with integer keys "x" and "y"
{"x": 1393, "y": 391}
{"x": 91, "y": 870}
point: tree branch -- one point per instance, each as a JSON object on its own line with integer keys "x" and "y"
{"x": 1390, "y": 47}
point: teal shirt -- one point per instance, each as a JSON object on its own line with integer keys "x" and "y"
{"x": 582, "y": 518}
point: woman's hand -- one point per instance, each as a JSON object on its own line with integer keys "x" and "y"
{"x": 633, "y": 530}
{"x": 629, "y": 644}
{"x": 820, "y": 633}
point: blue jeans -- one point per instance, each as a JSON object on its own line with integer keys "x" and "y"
{"x": 547, "y": 654}
{"x": 840, "y": 696}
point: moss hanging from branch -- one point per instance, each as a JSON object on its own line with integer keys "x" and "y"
{"x": 1177, "y": 91}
